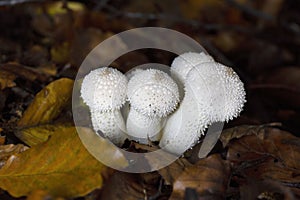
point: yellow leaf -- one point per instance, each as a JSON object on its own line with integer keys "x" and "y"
{"x": 6, "y": 151}
{"x": 61, "y": 167}
{"x": 48, "y": 103}
{"x": 38, "y": 134}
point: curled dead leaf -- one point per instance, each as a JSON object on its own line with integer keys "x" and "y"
{"x": 209, "y": 177}
{"x": 48, "y": 103}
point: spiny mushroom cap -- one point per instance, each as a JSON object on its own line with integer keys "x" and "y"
{"x": 219, "y": 92}
{"x": 104, "y": 89}
{"x": 185, "y": 62}
{"x": 153, "y": 93}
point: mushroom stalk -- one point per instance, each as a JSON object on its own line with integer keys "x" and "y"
{"x": 143, "y": 128}
{"x": 110, "y": 124}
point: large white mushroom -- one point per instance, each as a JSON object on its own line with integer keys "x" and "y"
{"x": 152, "y": 95}
{"x": 104, "y": 91}
{"x": 213, "y": 93}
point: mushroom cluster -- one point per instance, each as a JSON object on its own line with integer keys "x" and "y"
{"x": 174, "y": 110}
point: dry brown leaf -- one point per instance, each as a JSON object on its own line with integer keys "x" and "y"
{"x": 172, "y": 171}
{"x": 38, "y": 134}
{"x": 24, "y": 72}
{"x": 240, "y": 131}
{"x": 207, "y": 178}
{"x": 268, "y": 141}
{"x": 48, "y": 103}
{"x": 268, "y": 154}
{"x": 6, "y": 151}
{"x": 6, "y": 79}
{"x": 61, "y": 167}
{"x": 127, "y": 186}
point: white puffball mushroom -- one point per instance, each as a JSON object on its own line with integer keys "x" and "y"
{"x": 183, "y": 63}
{"x": 152, "y": 95}
{"x": 104, "y": 91}
{"x": 218, "y": 91}
{"x": 213, "y": 93}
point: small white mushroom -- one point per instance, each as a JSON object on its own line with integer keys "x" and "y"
{"x": 152, "y": 95}
{"x": 104, "y": 91}
{"x": 213, "y": 92}
{"x": 183, "y": 63}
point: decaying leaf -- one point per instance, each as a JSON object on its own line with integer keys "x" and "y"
{"x": 209, "y": 177}
{"x": 48, "y": 103}
{"x": 6, "y": 151}
{"x": 279, "y": 144}
{"x": 61, "y": 167}
{"x": 269, "y": 154}
{"x": 240, "y": 131}
{"x": 102, "y": 149}
{"x": 170, "y": 173}
{"x": 24, "y": 72}
{"x": 38, "y": 134}
{"x": 6, "y": 80}
{"x": 127, "y": 186}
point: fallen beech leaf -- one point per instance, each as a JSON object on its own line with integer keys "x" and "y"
{"x": 265, "y": 190}
{"x": 207, "y": 178}
{"x": 240, "y": 131}
{"x": 24, "y": 72}
{"x": 6, "y": 80}
{"x": 38, "y": 134}
{"x": 6, "y": 151}
{"x": 267, "y": 141}
{"x": 61, "y": 166}
{"x": 110, "y": 155}
{"x": 171, "y": 172}
{"x": 127, "y": 186}
{"x": 268, "y": 154}
{"x": 48, "y": 103}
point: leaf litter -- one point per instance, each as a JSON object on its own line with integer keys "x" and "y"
{"x": 39, "y": 60}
